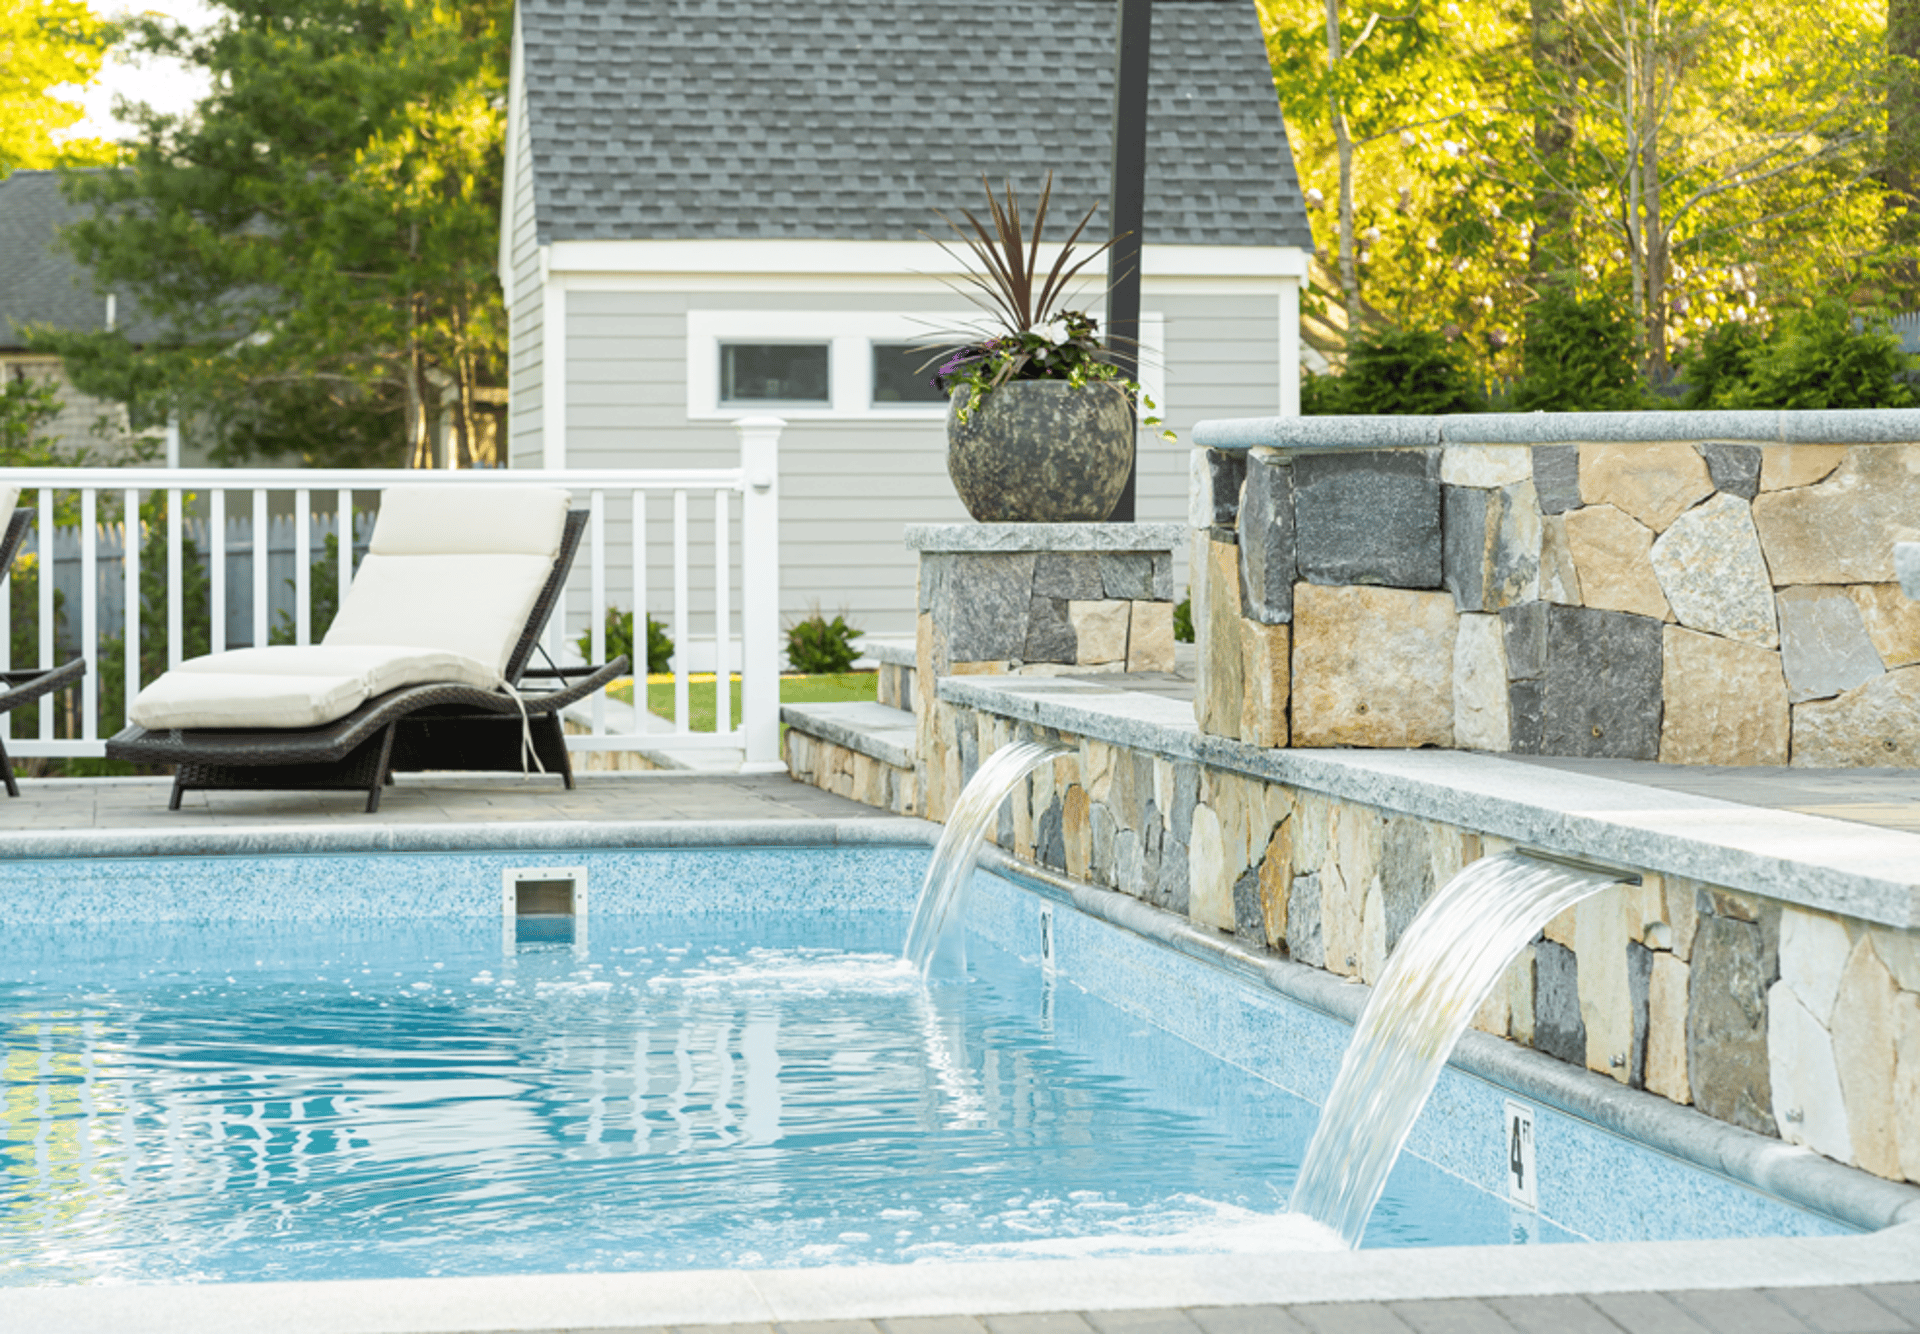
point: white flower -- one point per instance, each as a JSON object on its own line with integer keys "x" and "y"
{"x": 1371, "y": 235}
{"x": 1315, "y": 199}
{"x": 1054, "y": 331}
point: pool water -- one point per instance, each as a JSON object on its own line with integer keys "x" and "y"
{"x": 313, "y": 1100}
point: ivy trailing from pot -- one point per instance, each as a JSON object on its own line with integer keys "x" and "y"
{"x": 1040, "y": 426}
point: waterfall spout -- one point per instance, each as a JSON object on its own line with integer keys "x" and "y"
{"x": 959, "y": 847}
{"x": 1453, "y": 952}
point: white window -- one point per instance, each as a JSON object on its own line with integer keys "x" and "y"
{"x": 756, "y": 374}
{"x": 841, "y": 364}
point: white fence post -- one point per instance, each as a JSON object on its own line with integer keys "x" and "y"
{"x": 760, "y": 594}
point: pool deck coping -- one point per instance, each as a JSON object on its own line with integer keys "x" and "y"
{"x": 1811, "y": 861}
{"x": 583, "y": 1302}
{"x": 297, "y": 840}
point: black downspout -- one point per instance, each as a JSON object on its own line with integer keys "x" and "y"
{"x": 1133, "y": 32}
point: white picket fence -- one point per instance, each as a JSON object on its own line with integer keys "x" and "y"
{"x": 299, "y": 508}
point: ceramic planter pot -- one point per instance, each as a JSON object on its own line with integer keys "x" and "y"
{"x": 1042, "y": 451}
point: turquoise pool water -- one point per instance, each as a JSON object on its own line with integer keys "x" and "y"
{"x": 292, "y": 1096}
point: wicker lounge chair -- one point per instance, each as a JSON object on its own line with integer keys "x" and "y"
{"x": 463, "y": 721}
{"x": 24, "y": 687}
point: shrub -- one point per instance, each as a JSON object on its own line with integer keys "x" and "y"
{"x": 1819, "y": 358}
{"x": 1321, "y": 395}
{"x": 1719, "y": 365}
{"x": 620, "y": 641}
{"x": 1183, "y": 621}
{"x": 1579, "y": 356}
{"x": 817, "y": 646}
{"x": 1395, "y": 372}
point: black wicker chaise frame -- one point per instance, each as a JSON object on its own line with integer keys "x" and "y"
{"x": 26, "y": 686}
{"x": 441, "y": 726}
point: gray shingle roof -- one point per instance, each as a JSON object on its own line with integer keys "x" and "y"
{"x": 859, "y": 118}
{"x": 40, "y": 283}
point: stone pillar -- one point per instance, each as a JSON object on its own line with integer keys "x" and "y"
{"x": 1036, "y": 599}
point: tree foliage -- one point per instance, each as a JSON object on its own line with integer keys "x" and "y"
{"x": 45, "y": 45}
{"x": 1696, "y": 162}
{"x": 1579, "y": 355}
{"x": 317, "y": 236}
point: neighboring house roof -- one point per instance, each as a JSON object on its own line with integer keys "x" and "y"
{"x": 39, "y": 282}
{"x": 858, "y": 119}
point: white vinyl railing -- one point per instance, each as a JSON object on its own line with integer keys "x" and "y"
{"x": 225, "y": 498}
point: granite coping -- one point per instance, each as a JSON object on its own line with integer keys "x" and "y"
{"x": 294, "y": 840}
{"x": 1241, "y": 1288}
{"x": 1849, "y": 426}
{"x": 893, "y": 652}
{"x": 1815, "y": 862}
{"x": 877, "y": 730}
{"x": 1046, "y": 537}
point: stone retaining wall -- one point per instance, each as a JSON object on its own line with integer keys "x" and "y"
{"x": 850, "y": 773}
{"x": 1641, "y": 593}
{"x": 1781, "y": 1020}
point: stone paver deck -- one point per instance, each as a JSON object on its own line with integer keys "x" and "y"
{"x": 415, "y": 799}
{"x": 1886, "y": 798}
{"x": 1864, "y": 1309}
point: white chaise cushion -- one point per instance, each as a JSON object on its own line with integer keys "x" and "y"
{"x": 475, "y": 606}
{"x": 445, "y": 592}
{"x": 470, "y": 521}
{"x": 454, "y": 568}
{"x": 287, "y": 686}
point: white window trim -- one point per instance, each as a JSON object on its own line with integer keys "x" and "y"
{"x": 850, "y": 335}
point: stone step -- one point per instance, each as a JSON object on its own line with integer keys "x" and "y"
{"x": 874, "y": 730}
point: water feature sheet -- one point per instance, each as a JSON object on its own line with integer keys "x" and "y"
{"x": 247, "y": 1068}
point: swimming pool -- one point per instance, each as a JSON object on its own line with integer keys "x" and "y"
{"x": 299, "y": 1067}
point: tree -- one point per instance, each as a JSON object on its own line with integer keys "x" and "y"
{"x": 1394, "y": 112}
{"x": 1700, "y": 160}
{"x": 26, "y": 405}
{"x": 1715, "y": 141}
{"x": 1903, "y": 136}
{"x": 45, "y": 44}
{"x": 317, "y": 236}
{"x": 1579, "y": 355}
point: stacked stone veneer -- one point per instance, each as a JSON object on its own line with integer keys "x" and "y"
{"x": 1043, "y": 599}
{"x": 1788, "y": 1022}
{"x": 865, "y": 752}
{"x": 850, "y": 770}
{"x": 1621, "y": 588}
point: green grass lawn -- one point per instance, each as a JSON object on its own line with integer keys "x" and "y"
{"x": 836, "y": 688}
